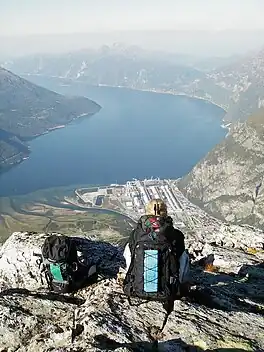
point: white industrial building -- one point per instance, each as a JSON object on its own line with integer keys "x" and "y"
{"x": 141, "y": 192}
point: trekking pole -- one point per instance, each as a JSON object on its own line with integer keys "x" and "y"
{"x": 73, "y": 327}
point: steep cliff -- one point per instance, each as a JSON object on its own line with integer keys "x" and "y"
{"x": 228, "y": 182}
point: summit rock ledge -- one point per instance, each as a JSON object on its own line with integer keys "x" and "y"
{"x": 225, "y": 310}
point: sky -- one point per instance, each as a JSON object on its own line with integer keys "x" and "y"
{"x": 203, "y": 27}
{"x": 23, "y": 17}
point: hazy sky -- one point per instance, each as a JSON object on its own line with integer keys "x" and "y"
{"x": 55, "y": 26}
{"x": 22, "y": 17}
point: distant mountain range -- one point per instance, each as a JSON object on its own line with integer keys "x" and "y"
{"x": 115, "y": 66}
{"x": 27, "y": 110}
{"x": 234, "y": 83}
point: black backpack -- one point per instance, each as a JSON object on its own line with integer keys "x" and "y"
{"x": 62, "y": 269}
{"x": 153, "y": 272}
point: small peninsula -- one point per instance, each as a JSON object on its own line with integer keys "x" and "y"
{"x": 28, "y": 111}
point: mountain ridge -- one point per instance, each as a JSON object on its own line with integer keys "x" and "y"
{"x": 27, "y": 111}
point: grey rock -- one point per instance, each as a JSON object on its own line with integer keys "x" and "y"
{"x": 18, "y": 260}
{"x": 224, "y": 309}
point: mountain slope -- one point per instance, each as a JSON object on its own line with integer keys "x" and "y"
{"x": 115, "y": 66}
{"x": 243, "y": 80}
{"x": 229, "y": 181}
{"x": 27, "y": 110}
{"x": 12, "y": 149}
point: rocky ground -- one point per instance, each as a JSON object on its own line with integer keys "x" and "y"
{"x": 223, "y": 313}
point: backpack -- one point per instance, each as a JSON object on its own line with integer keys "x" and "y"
{"x": 59, "y": 261}
{"x": 153, "y": 272}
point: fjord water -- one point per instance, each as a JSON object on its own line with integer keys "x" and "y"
{"x": 135, "y": 135}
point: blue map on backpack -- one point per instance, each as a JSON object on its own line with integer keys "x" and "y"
{"x": 151, "y": 270}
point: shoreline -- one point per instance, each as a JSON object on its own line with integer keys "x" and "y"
{"x": 49, "y": 130}
{"x": 152, "y": 90}
{"x": 68, "y": 202}
{"x": 52, "y": 129}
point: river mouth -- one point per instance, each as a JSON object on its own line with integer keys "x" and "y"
{"x": 47, "y": 211}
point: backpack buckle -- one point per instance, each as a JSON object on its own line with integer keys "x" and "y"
{"x": 74, "y": 266}
{"x": 153, "y": 235}
{"x": 173, "y": 280}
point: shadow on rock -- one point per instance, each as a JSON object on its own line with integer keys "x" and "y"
{"x": 51, "y": 296}
{"x": 107, "y": 257}
{"x": 174, "y": 345}
{"x": 229, "y": 350}
{"x": 103, "y": 342}
{"x": 229, "y": 291}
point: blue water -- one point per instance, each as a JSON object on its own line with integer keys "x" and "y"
{"x": 135, "y": 135}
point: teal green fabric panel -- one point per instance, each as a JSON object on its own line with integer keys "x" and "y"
{"x": 56, "y": 272}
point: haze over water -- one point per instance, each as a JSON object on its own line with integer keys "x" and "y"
{"x": 135, "y": 135}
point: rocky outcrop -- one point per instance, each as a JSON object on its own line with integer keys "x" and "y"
{"x": 224, "y": 310}
{"x": 228, "y": 182}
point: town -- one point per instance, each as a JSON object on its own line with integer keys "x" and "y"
{"x": 131, "y": 198}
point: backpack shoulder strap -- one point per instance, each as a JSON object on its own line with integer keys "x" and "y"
{"x": 42, "y": 265}
{"x": 135, "y": 235}
{"x": 176, "y": 237}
